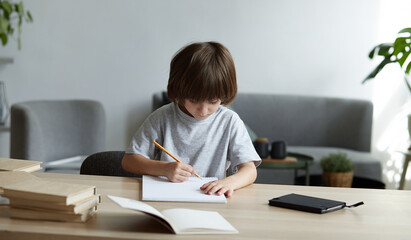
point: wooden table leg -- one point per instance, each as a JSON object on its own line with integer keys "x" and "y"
{"x": 404, "y": 171}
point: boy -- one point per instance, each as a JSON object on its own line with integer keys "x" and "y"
{"x": 206, "y": 136}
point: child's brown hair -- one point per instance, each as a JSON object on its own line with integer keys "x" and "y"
{"x": 202, "y": 71}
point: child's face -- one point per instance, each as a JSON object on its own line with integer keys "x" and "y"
{"x": 201, "y": 110}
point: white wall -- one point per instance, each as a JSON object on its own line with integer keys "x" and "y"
{"x": 118, "y": 52}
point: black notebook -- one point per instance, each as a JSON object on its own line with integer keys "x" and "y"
{"x": 309, "y": 204}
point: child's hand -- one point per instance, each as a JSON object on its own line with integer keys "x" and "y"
{"x": 178, "y": 172}
{"x": 218, "y": 187}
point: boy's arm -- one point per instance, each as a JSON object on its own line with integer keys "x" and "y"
{"x": 246, "y": 175}
{"x": 174, "y": 171}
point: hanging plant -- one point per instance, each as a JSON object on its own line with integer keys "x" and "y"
{"x": 11, "y": 18}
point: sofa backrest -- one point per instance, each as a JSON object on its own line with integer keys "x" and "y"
{"x": 307, "y": 120}
{"x": 46, "y": 130}
{"x": 303, "y": 120}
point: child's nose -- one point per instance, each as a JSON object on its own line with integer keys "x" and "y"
{"x": 202, "y": 109}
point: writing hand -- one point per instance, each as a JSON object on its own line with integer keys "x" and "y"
{"x": 178, "y": 172}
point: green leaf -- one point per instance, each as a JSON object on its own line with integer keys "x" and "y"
{"x": 10, "y": 30}
{"x": 403, "y": 58}
{"x": 3, "y": 38}
{"x": 30, "y": 18}
{"x": 380, "y": 66}
{"x": 6, "y": 7}
{"x": 9, "y": 27}
{"x": 19, "y": 8}
{"x": 371, "y": 54}
{"x": 400, "y": 41}
{"x": 19, "y": 26}
{"x": 408, "y": 30}
{"x": 400, "y": 52}
{"x": 384, "y": 49}
{"x": 4, "y": 25}
{"x": 400, "y": 44}
{"x": 407, "y": 70}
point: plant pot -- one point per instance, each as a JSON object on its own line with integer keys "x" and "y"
{"x": 338, "y": 179}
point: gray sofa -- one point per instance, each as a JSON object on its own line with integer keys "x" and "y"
{"x": 60, "y": 133}
{"x": 314, "y": 126}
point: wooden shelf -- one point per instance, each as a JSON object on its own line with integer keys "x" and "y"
{"x": 5, "y": 60}
{"x": 4, "y": 128}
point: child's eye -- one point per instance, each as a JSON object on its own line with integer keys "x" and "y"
{"x": 193, "y": 100}
{"x": 214, "y": 101}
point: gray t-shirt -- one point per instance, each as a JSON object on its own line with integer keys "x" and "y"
{"x": 210, "y": 145}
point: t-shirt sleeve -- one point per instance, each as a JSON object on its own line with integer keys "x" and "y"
{"x": 241, "y": 149}
{"x": 142, "y": 141}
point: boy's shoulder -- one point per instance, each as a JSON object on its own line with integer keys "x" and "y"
{"x": 228, "y": 112}
{"x": 165, "y": 108}
{"x": 162, "y": 111}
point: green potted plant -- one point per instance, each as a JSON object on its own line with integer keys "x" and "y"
{"x": 11, "y": 18}
{"x": 337, "y": 170}
{"x": 397, "y": 52}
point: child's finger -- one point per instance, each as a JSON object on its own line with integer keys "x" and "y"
{"x": 211, "y": 188}
{"x": 205, "y": 185}
{"x": 214, "y": 189}
{"x": 187, "y": 167}
{"x": 229, "y": 193}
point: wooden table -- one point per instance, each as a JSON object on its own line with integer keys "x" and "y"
{"x": 385, "y": 215}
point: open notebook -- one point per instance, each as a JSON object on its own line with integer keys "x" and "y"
{"x": 181, "y": 220}
{"x": 161, "y": 189}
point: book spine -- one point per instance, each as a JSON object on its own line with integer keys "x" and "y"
{"x": 43, "y": 215}
{"x": 33, "y": 196}
{"x": 297, "y": 207}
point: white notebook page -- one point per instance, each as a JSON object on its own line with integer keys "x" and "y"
{"x": 135, "y": 205}
{"x": 196, "y": 219}
{"x": 161, "y": 189}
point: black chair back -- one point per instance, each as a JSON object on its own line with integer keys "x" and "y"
{"x": 105, "y": 163}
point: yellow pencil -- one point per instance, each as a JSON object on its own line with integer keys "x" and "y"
{"x": 171, "y": 155}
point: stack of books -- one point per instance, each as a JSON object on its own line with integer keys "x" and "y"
{"x": 49, "y": 200}
{"x": 10, "y": 177}
{"x": 9, "y": 164}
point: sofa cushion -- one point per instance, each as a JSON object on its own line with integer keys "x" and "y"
{"x": 308, "y": 120}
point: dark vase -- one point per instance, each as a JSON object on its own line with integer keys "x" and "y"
{"x": 279, "y": 150}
